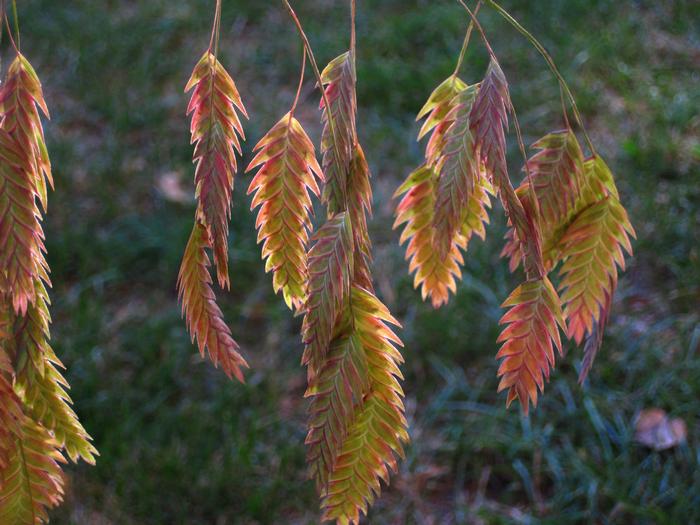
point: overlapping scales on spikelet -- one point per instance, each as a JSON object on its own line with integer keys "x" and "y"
{"x": 592, "y": 249}
{"x": 10, "y": 408}
{"x": 434, "y": 274}
{"x": 216, "y": 132}
{"x": 529, "y": 340}
{"x": 438, "y": 110}
{"x": 288, "y": 171}
{"x": 556, "y": 171}
{"x": 330, "y": 263}
{"x": 41, "y": 386}
{"x": 339, "y": 135}
{"x": 336, "y": 392}
{"x": 32, "y": 482}
{"x": 25, "y": 173}
{"x": 204, "y": 318}
{"x": 376, "y": 434}
{"x": 458, "y": 172}
{"x": 489, "y": 121}
{"x": 359, "y": 208}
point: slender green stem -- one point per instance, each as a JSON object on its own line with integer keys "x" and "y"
{"x": 465, "y": 44}
{"x": 14, "y": 14}
{"x": 301, "y": 82}
{"x": 552, "y": 66}
{"x": 317, "y": 72}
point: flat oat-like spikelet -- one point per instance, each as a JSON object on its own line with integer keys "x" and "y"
{"x": 528, "y": 341}
{"x": 592, "y": 249}
{"x": 458, "y": 172}
{"x": 25, "y": 173}
{"x": 41, "y": 386}
{"x": 204, "y": 318}
{"x": 10, "y": 409}
{"x": 359, "y": 208}
{"x": 557, "y": 175}
{"x": 488, "y": 121}
{"x": 439, "y": 105}
{"x": 330, "y": 265}
{"x": 378, "y": 430}
{"x": 216, "y": 132}
{"x": 288, "y": 171}
{"x": 339, "y": 134}
{"x": 32, "y": 482}
{"x": 434, "y": 274}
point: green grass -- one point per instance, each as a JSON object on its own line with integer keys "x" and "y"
{"x": 181, "y": 444}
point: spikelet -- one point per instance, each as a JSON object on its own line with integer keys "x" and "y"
{"x": 488, "y": 121}
{"x": 438, "y": 107}
{"x": 529, "y": 340}
{"x": 35, "y": 415}
{"x": 375, "y": 436}
{"x": 204, "y": 318}
{"x": 288, "y": 171}
{"x": 434, "y": 274}
{"x": 25, "y": 172}
{"x": 359, "y": 208}
{"x": 330, "y": 271}
{"x": 592, "y": 249}
{"x": 459, "y": 172}
{"x": 41, "y": 386}
{"x": 339, "y": 135}
{"x": 216, "y": 133}
{"x": 557, "y": 175}
{"x": 32, "y": 482}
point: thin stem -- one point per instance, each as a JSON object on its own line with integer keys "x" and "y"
{"x": 317, "y": 72}
{"x": 14, "y": 14}
{"x": 9, "y": 30}
{"x": 465, "y": 44}
{"x": 481, "y": 29}
{"x": 215, "y": 29}
{"x": 552, "y": 66}
{"x": 353, "y": 16}
{"x": 301, "y": 82}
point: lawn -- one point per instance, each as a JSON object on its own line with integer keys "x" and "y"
{"x": 179, "y": 443}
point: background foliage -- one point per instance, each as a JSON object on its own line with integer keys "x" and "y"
{"x": 182, "y": 444}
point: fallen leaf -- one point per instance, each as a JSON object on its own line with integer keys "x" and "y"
{"x": 654, "y": 429}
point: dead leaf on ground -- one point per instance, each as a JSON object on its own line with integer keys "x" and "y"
{"x": 654, "y": 429}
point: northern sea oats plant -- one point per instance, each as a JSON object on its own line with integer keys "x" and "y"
{"x": 565, "y": 221}
{"x": 38, "y": 427}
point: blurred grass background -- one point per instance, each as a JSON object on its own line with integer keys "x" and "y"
{"x": 181, "y": 444}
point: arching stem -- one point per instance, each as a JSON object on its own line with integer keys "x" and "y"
{"x": 301, "y": 82}
{"x": 465, "y": 44}
{"x": 552, "y": 66}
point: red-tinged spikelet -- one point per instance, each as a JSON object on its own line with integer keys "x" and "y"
{"x": 438, "y": 110}
{"x": 375, "y": 436}
{"x": 40, "y": 384}
{"x": 592, "y": 249}
{"x": 25, "y": 173}
{"x": 32, "y": 482}
{"x": 556, "y": 171}
{"x": 434, "y": 274}
{"x": 330, "y": 263}
{"x": 458, "y": 169}
{"x": 10, "y": 405}
{"x": 288, "y": 171}
{"x": 529, "y": 340}
{"x": 339, "y": 134}
{"x": 216, "y": 132}
{"x": 359, "y": 208}
{"x": 489, "y": 121}
{"x": 204, "y": 318}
